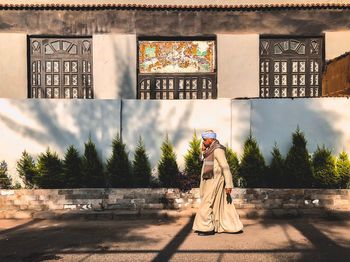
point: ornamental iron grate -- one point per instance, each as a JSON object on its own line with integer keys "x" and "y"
{"x": 60, "y": 67}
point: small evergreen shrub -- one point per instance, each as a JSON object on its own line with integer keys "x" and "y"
{"x": 92, "y": 168}
{"x": 72, "y": 166}
{"x": 183, "y": 182}
{"x": 26, "y": 169}
{"x": 325, "y": 168}
{"x": 233, "y": 162}
{"x": 50, "y": 170}
{"x": 5, "y": 180}
{"x": 154, "y": 182}
{"x": 298, "y": 164}
{"x": 17, "y": 185}
{"x": 141, "y": 166}
{"x": 167, "y": 166}
{"x": 118, "y": 165}
{"x": 343, "y": 169}
{"x": 193, "y": 164}
{"x": 276, "y": 177}
{"x": 252, "y": 167}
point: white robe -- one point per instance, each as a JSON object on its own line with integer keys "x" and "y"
{"x": 214, "y": 212}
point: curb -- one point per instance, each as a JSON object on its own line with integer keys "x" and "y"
{"x": 174, "y": 214}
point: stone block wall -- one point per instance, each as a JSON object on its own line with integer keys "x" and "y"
{"x": 249, "y": 202}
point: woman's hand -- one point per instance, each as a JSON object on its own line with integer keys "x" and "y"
{"x": 228, "y": 190}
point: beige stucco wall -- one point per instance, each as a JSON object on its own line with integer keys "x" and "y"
{"x": 336, "y": 43}
{"x": 238, "y": 65}
{"x": 13, "y": 65}
{"x": 114, "y": 65}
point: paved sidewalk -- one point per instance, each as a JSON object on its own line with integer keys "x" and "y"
{"x": 174, "y": 240}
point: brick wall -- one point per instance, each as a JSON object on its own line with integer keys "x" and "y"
{"x": 249, "y": 202}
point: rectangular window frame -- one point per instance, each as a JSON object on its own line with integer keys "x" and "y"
{"x": 200, "y": 76}
{"x": 307, "y": 57}
{"x": 80, "y": 90}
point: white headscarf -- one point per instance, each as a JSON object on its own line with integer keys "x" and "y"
{"x": 208, "y": 134}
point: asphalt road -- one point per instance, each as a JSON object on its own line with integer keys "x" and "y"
{"x": 174, "y": 240}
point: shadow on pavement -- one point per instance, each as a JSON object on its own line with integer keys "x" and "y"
{"x": 40, "y": 241}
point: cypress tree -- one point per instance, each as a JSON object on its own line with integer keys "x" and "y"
{"x": 27, "y": 170}
{"x": 298, "y": 164}
{"x": 92, "y": 169}
{"x": 5, "y": 180}
{"x": 276, "y": 172}
{"x": 118, "y": 165}
{"x": 343, "y": 170}
{"x": 72, "y": 166}
{"x": 252, "y": 167}
{"x": 193, "y": 164}
{"x": 167, "y": 167}
{"x": 233, "y": 162}
{"x": 324, "y": 168}
{"x": 50, "y": 170}
{"x": 141, "y": 166}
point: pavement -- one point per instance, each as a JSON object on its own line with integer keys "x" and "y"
{"x": 172, "y": 239}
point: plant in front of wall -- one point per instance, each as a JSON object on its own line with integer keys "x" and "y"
{"x": 27, "y": 170}
{"x": 343, "y": 170}
{"x": 167, "y": 167}
{"x": 324, "y": 165}
{"x": 50, "y": 170}
{"x": 252, "y": 167}
{"x": 233, "y": 162}
{"x": 193, "y": 164}
{"x": 298, "y": 164}
{"x": 92, "y": 167}
{"x": 72, "y": 166}
{"x": 276, "y": 176}
{"x": 5, "y": 180}
{"x": 141, "y": 166}
{"x": 118, "y": 165}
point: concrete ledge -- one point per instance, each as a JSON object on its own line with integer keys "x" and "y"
{"x": 172, "y": 214}
{"x": 111, "y": 215}
{"x": 107, "y": 204}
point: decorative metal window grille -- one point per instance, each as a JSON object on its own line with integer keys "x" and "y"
{"x": 176, "y": 69}
{"x": 60, "y": 67}
{"x": 291, "y": 67}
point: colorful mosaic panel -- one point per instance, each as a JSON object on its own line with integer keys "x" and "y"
{"x": 176, "y": 56}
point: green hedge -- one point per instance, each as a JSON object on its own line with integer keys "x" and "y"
{"x": 298, "y": 169}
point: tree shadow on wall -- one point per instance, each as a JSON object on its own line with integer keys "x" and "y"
{"x": 276, "y": 120}
{"x": 126, "y": 85}
{"x": 60, "y": 123}
{"x": 145, "y": 118}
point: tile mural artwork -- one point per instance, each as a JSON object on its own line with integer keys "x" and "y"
{"x": 176, "y": 56}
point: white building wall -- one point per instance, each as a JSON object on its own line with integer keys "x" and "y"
{"x": 336, "y": 43}
{"x": 323, "y": 121}
{"x": 114, "y": 66}
{"x": 35, "y": 125}
{"x": 13, "y": 65}
{"x": 153, "y": 119}
{"x": 238, "y": 65}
